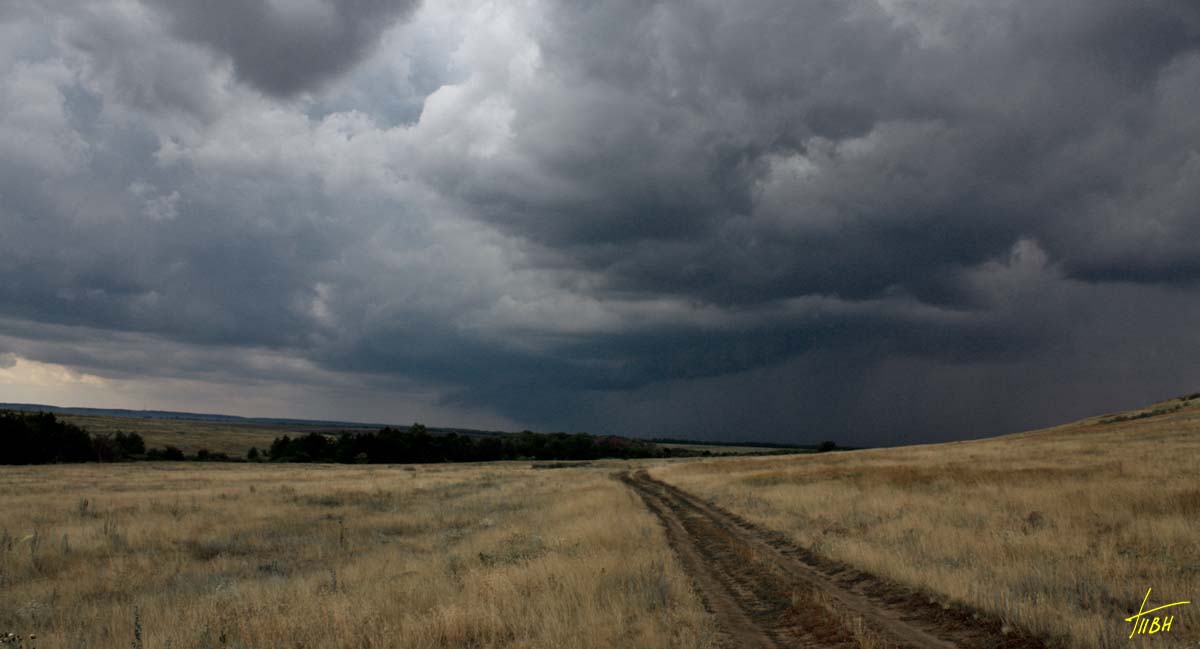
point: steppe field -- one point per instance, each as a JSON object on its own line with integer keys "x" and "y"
{"x": 1044, "y": 539}
{"x": 237, "y": 555}
{"x": 1059, "y": 532}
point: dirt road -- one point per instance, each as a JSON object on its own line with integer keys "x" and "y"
{"x": 765, "y": 592}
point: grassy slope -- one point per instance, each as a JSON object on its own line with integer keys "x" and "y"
{"x": 1060, "y": 530}
{"x": 188, "y": 435}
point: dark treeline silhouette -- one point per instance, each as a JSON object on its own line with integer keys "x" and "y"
{"x": 41, "y": 438}
{"x": 417, "y": 445}
{"x": 774, "y": 448}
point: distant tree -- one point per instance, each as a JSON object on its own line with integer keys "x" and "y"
{"x": 129, "y": 445}
{"x": 167, "y": 453}
{"x": 826, "y": 446}
{"x": 252, "y": 454}
{"x": 103, "y": 447}
{"x": 489, "y": 449}
{"x": 279, "y": 447}
{"x": 416, "y": 444}
{"x": 205, "y": 455}
{"x": 39, "y": 438}
{"x": 313, "y": 447}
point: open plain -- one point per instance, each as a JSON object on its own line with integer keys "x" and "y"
{"x": 228, "y": 555}
{"x": 1043, "y": 539}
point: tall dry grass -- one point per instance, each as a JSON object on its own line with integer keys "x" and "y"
{"x": 1061, "y": 531}
{"x": 177, "y": 555}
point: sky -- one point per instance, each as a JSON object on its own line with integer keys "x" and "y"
{"x": 873, "y": 221}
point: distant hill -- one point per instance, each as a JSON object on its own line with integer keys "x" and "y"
{"x": 254, "y": 422}
{"x": 234, "y": 435}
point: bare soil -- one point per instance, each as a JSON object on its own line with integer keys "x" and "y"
{"x": 765, "y": 592}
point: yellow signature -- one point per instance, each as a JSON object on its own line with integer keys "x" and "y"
{"x": 1144, "y": 625}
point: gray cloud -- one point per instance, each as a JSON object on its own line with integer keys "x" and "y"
{"x": 285, "y": 48}
{"x": 918, "y": 159}
{"x": 881, "y": 221}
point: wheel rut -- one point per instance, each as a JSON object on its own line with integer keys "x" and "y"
{"x": 765, "y": 592}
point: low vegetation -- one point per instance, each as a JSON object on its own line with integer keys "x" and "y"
{"x": 417, "y": 445}
{"x": 1060, "y": 531}
{"x": 42, "y": 438}
{"x": 238, "y": 555}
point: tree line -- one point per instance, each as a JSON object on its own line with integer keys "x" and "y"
{"x": 418, "y": 445}
{"x": 42, "y": 438}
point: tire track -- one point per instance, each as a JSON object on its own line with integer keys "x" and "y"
{"x": 765, "y": 592}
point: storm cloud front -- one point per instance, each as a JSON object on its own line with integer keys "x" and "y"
{"x": 876, "y": 221}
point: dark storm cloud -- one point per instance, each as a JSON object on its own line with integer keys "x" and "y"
{"x": 1030, "y": 120}
{"x": 847, "y": 218}
{"x": 81, "y": 253}
{"x": 738, "y": 156}
{"x": 286, "y": 47}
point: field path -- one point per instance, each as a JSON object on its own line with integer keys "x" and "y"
{"x": 765, "y": 592}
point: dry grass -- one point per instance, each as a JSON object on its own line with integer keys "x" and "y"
{"x": 219, "y": 555}
{"x": 1060, "y": 531}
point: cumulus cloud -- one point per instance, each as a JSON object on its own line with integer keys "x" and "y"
{"x": 847, "y": 218}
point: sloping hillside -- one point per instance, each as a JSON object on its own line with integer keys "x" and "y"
{"x": 1060, "y": 531}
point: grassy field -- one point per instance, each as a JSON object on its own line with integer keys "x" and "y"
{"x": 1061, "y": 531}
{"x": 222, "y": 555}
